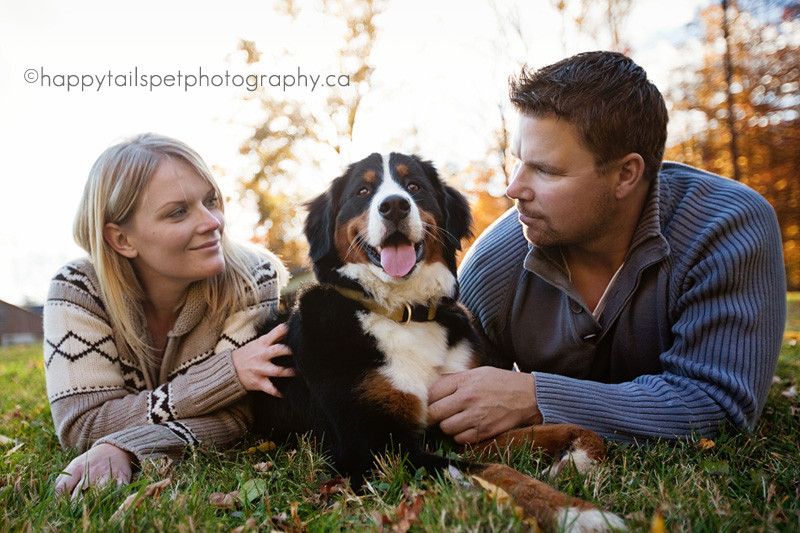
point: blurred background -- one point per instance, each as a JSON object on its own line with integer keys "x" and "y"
{"x": 409, "y": 75}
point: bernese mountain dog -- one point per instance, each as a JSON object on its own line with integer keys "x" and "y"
{"x": 383, "y": 323}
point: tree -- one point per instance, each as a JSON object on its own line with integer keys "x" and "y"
{"x": 594, "y": 17}
{"x": 765, "y": 85}
{"x": 296, "y": 134}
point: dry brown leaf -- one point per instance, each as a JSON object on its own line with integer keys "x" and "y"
{"x": 296, "y": 517}
{"x": 222, "y": 500}
{"x": 494, "y": 491}
{"x": 334, "y": 486}
{"x": 263, "y": 467}
{"x": 134, "y": 500}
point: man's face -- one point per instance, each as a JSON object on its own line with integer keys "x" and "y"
{"x": 561, "y": 198}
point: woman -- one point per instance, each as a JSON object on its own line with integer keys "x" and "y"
{"x": 150, "y": 344}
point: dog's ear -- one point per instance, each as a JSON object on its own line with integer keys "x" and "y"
{"x": 458, "y": 219}
{"x": 319, "y": 225}
{"x": 455, "y": 208}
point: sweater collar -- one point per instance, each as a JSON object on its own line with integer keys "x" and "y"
{"x": 192, "y": 312}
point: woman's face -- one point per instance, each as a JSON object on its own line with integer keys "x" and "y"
{"x": 174, "y": 234}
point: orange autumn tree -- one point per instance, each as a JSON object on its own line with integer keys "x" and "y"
{"x": 765, "y": 91}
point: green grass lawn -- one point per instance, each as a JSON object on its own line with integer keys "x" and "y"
{"x": 742, "y": 483}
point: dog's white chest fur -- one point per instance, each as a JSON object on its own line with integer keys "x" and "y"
{"x": 417, "y": 353}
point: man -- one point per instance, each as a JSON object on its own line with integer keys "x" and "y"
{"x": 634, "y": 302}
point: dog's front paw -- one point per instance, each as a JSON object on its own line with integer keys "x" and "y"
{"x": 579, "y": 459}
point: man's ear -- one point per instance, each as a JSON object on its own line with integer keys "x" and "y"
{"x": 116, "y": 237}
{"x": 630, "y": 174}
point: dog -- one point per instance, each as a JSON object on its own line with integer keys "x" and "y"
{"x": 383, "y": 323}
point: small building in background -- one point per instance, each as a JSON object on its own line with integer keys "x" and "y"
{"x": 19, "y": 325}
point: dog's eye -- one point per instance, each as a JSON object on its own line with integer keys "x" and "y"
{"x": 364, "y": 191}
{"x": 413, "y": 187}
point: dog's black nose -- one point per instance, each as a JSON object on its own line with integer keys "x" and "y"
{"x": 394, "y": 208}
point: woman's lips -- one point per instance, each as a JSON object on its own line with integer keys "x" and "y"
{"x": 209, "y": 246}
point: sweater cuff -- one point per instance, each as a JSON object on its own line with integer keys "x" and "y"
{"x": 209, "y": 387}
{"x": 145, "y": 443}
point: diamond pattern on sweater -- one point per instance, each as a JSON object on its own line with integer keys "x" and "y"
{"x": 74, "y": 347}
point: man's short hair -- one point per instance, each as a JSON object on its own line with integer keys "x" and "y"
{"x": 607, "y": 97}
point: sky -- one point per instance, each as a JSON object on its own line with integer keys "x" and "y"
{"x": 441, "y": 71}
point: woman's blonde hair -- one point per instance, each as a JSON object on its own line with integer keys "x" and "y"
{"x": 116, "y": 182}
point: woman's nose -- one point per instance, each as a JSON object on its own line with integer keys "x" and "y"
{"x": 211, "y": 220}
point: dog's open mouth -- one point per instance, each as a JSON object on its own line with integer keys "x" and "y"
{"x": 397, "y": 256}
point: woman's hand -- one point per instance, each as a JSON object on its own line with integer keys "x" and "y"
{"x": 253, "y": 361}
{"x": 99, "y": 465}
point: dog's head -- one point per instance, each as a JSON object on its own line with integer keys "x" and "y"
{"x": 388, "y": 220}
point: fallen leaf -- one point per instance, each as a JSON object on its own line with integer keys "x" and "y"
{"x": 791, "y": 393}
{"x": 15, "y": 449}
{"x": 657, "y": 525}
{"x": 334, "y": 486}
{"x": 133, "y": 501}
{"x": 250, "y": 525}
{"x": 263, "y": 467}
{"x": 222, "y": 500}
{"x": 252, "y": 490}
{"x": 494, "y": 491}
{"x": 705, "y": 444}
{"x": 716, "y": 468}
{"x": 5, "y": 440}
{"x": 296, "y": 516}
{"x": 266, "y": 446}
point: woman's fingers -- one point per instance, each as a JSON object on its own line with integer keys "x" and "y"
{"x": 275, "y": 334}
{"x": 98, "y": 466}
{"x": 66, "y": 482}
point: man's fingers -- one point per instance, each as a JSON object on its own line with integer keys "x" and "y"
{"x": 456, "y": 423}
{"x": 444, "y": 386}
{"x": 469, "y": 436}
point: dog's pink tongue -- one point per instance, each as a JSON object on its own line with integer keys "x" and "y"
{"x": 398, "y": 261}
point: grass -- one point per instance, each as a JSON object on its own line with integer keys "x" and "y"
{"x": 745, "y": 482}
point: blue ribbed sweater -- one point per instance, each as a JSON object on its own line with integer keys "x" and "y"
{"x": 690, "y": 335}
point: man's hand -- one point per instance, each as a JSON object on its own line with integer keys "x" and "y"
{"x": 482, "y": 403}
{"x": 99, "y": 465}
{"x": 253, "y": 361}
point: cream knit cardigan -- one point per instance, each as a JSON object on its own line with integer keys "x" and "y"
{"x": 99, "y": 392}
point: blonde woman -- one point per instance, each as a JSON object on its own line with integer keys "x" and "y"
{"x": 150, "y": 345}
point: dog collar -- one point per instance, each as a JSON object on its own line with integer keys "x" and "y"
{"x": 403, "y": 314}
